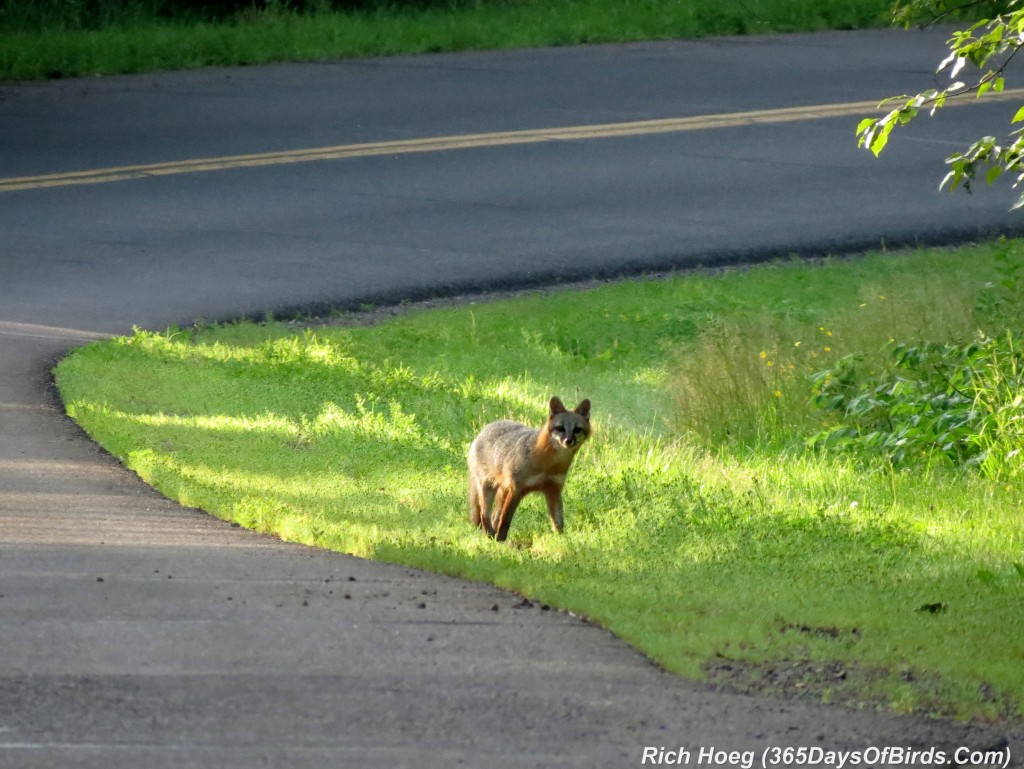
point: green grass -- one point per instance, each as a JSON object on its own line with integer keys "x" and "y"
{"x": 38, "y": 44}
{"x": 699, "y": 527}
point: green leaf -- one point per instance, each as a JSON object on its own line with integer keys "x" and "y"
{"x": 958, "y": 64}
{"x": 880, "y": 139}
{"x": 993, "y": 173}
{"x": 1019, "y": 116}
{"x": 869, "y": 122}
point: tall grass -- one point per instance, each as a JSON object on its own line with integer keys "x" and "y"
{"x": 56, "y": 39}
{"x": 750, "y": 381}
{"x": 725, "y": 553}
{"x": 929, "y": 371}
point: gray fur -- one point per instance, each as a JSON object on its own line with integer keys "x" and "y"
{"x": 509, "y": 460}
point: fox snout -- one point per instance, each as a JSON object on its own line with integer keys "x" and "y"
{"x": 565, "y": 440}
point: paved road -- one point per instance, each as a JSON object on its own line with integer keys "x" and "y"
{"x": 137, "y": 633}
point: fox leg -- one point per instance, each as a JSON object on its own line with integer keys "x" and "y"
{"x": 486, "y": 520}
{"x": 497, "y": 496}
{"x": 508, "y": 501}
{"x": 481, "y": 498}
{"x": 553, "y": 495}
{"x": 475, "y": 513}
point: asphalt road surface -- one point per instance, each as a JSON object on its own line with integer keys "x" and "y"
{"x": 136, "y": 633}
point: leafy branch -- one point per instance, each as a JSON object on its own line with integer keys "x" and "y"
{"x": 926, "y": 13}
{"x": 990, "y": 45}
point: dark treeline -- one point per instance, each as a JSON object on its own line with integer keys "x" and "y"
{"x": 86, "y": 14}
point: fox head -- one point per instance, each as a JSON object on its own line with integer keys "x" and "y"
{"x": 568, "y": 429}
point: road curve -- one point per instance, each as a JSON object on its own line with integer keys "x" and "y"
{"x": 134, "y": 632}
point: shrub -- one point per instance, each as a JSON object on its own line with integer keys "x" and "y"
{"x": 958, "y": 404}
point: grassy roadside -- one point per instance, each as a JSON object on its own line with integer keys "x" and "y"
{"x": 37, "y": 45}
{"x": 701, "y": 530}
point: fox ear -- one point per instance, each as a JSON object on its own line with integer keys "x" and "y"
{"x": 556, "y": 405}
{"x": 584, "y": 408}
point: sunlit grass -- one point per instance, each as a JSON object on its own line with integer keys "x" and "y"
{"x": 730, "y": 544}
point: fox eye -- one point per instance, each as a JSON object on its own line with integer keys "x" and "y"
{"x": 577, "y": 430}
{"x": 559, "y": 429}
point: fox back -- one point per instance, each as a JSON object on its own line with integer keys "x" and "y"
{"x": 508, "y": 460}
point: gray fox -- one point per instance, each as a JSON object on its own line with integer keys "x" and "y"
{"x": 508, "y": 460}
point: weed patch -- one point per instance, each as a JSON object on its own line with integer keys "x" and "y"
{"x": 957, "y": 403}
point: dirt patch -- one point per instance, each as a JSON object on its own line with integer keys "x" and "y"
{"x": 846, "y": 683}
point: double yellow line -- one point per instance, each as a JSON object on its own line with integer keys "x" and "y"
{"x": 464, "y": 141}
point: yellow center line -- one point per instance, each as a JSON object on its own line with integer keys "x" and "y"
{"x": 464, "y": 141}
